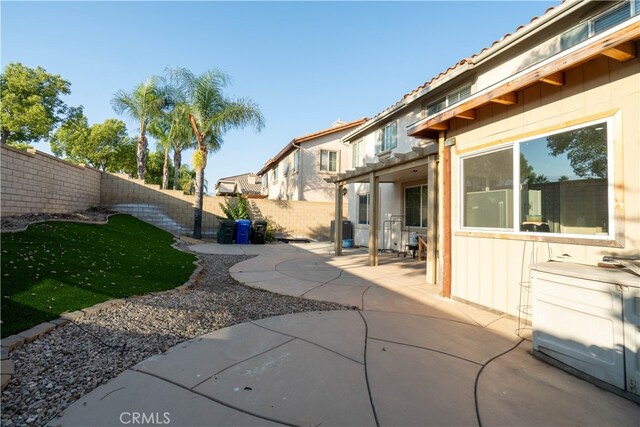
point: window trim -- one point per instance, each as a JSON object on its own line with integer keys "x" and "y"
{"x": 611, "y": 239}
{"x": 381, "y": 149}
{"x": 368, "y": 195}
{"x": 296, "y": 161}
{"x": 404, "y": 204}
{"x": 328, "y": 170}
{"x": 361, "y": 153}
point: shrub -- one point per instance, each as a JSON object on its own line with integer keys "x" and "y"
{"x": 236, "y": 210}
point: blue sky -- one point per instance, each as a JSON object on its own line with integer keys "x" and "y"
{"x": 305, "y": 64}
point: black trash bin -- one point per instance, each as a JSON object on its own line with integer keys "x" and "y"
{"x": 259, "y": 232}
{"x": 226, "y": 232}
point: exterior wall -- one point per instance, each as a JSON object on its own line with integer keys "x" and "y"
{"x": 35, "y": 182}
{"x": 390, "y": 235}
{"x": 313, "y": 186}
{"x": 287, "y": 183}
{"x": 488, "y": 268}
{"x": 308, "y": 183}
{"x": 173, "y": 211}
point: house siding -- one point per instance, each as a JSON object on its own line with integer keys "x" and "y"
{"x": 488, "y": 270}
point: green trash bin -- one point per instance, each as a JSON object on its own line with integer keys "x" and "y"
{"x": 226, "y": 232}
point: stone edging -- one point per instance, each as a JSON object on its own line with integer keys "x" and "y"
{"x": 12, "y": 342}
{"x": 19, "y": 230}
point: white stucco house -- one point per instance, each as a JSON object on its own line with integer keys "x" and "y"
{"x": 299, "y": 170}
{"x": 520, "y": 167}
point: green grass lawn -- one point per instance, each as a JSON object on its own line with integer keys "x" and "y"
{"x": 55, "y": 267}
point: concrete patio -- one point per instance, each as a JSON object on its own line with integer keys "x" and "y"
{"x": 404, "y": 357}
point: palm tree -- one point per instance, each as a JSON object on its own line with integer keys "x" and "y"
{"x": 146, "y": 101}
{"x": 211, "y": 114}
{"x": 160, "y": 129}
{"x": 182, "y": 139}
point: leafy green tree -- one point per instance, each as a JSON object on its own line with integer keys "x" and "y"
{"x": 211, "y": 114}
{"x": 147, "y": 100}
{"x": 30, "y": 104}
{"x": 98, "y": 145}
{"x": 585, "y": 148}
{"x": 154, "y": 167}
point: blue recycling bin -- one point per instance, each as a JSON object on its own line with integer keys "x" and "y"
{"x": 243, "y": 227}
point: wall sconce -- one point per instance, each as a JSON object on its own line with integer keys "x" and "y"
{"x": 344, "y": 191}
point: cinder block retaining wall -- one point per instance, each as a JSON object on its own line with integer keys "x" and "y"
{"x": 173, "y": 211}
{"x": 35, "y": 182}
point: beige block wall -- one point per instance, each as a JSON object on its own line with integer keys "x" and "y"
{"x": 173, "y": 210}
{"x": 35, "y": 182}
{"x": 488, "y": 269}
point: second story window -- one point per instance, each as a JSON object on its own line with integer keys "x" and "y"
{"x": 296, "y": 161}
{"x": 447, "y": 101}
{"x": 328, "y": 161}
{"x": 357, "y": 154}
{"x": 388, "y": 137}
{"x": 274, "y": 175}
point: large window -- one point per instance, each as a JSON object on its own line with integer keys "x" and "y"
{"x": 363, "y": 209}
{"x": 265, "y": 180}
{"x": 274, "y": 175}
{"x": 415, "y": 206}
{"x": 488, "y": 190}
{"x": 388, "y": 137}
{"x": 357, "y": 154}
{"x": 562, "y": 186}
{"x": 328, "y": 161}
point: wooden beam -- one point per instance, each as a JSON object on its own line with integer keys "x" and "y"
{"x": 446, "y": 202}
{"x": 506, "y": 99}
{"x": 555, "y": 79}
{"x": 440, "y": 126}
{"x": 467, "y": 115}
{"x": 623, "y": 52}
{"x": 561, "y": 63}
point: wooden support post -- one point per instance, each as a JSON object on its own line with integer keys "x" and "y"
{"x": 432, "y": 220}
{"x": 446, "y": 189}
{"x": 337, "y": 231}
{"x": 374, "y": 209}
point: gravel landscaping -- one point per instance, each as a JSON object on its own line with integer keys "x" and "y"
{"x": 57, "y": 369}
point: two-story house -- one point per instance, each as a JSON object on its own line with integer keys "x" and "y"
{"x": 299, "y": 170}
{"x": 526, "y": 150}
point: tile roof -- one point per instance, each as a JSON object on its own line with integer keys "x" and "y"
{"x": 459, "y": 64}
{"x": 308, "y": 137}
{"x": 239, "y": 184}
